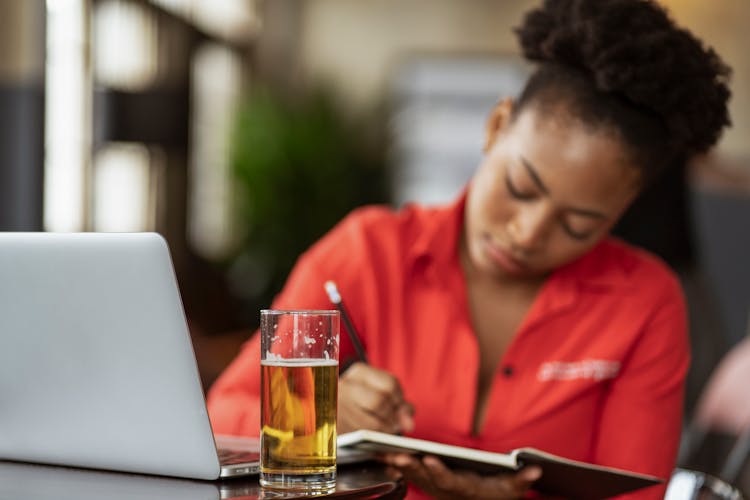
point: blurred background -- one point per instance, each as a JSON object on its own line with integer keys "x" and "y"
{"x": 242, "y": 130}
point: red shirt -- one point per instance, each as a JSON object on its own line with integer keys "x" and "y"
{"x": 595, "y": 371}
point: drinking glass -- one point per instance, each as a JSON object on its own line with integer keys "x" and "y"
{"x": 299, "y": 386}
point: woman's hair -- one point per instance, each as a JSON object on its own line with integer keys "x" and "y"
{"x": 625, "y": 64}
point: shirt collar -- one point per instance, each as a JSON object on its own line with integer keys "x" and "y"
{"x": 607, "y": 265}
{"x": 441, "y": 234}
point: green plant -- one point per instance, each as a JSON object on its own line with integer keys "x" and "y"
{"x": 301, "y": 166}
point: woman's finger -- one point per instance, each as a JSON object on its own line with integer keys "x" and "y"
{"x": 467, "y": 484}
{"x": 379, "y": 381}
{"x": 378, "y": 393}
{"x": 351, "y": 418}
{"x": 441, "y": 476}
{"x": 372, "y": 401}
{"x": 526, "y": 476}
{"x": 405, "y": 417}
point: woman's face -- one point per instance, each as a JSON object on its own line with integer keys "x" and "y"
{"x": 546, "y": 192}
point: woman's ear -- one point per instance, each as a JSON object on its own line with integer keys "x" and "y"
{"x": 498, "y": 120}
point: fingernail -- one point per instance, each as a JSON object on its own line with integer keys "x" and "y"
{"x": 406, "y": 422}
{"x": 533, "y": 473}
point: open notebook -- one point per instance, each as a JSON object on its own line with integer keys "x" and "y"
{"x": 560, "y": 476}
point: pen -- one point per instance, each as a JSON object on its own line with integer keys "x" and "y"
{"x": 335, "y": 297}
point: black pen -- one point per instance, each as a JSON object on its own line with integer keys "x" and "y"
{"x": 335, "y": 297}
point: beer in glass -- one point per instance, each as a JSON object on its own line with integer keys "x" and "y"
{"x": 299, "y": 382}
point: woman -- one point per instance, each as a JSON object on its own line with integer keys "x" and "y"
{"x": 509, "y": 318}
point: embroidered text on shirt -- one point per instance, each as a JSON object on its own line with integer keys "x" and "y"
{"x": 596, "y": 369}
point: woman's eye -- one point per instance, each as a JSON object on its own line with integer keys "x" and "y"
{"x": 515, "y": 193}
{"x": 576, "y": 235}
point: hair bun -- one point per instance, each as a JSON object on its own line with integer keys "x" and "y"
{"x": 633, "y": 49}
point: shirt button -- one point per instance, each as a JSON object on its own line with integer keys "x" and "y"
{"x": 508, "y": 370}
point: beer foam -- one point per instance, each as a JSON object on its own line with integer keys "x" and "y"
{"x": 271, "y": 356}
{"x": 299, "y": 362}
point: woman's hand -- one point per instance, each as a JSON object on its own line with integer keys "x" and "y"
{"x": 372, "y": 399}
{"x": 431, "y": 476}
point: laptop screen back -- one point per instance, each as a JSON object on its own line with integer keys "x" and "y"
{"x": 96, "y": 364}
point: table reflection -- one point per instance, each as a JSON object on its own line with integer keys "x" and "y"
{"x": 45, "y": 482}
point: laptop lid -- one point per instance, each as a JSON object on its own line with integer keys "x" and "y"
{"x": 96, "y": 364}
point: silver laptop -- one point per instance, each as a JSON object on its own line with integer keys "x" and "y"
{"x": 96, "y": 364}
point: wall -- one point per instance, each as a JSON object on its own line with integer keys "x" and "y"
{"x": 724, "y": 26}
{"x": 355, "y": 45}
{"x": 21, "y": 40}
{"x": 21, "y": 114}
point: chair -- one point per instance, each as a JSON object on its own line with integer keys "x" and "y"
{"x": 693, "y": 485}
{"x": 724, "y": 406}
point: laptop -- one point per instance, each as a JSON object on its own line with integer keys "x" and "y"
{"x": 97, "y": 368}
{"x": 46, "y": 482}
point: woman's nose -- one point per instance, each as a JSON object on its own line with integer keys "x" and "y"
{"x": 529, "y": 228}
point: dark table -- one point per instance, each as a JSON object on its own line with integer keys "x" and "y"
{"x": 23, "y": 481}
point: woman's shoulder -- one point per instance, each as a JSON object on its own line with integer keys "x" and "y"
{"x": 633, "y": 258}
{"x": 383, "y": 224}
{"x": 399, "y": 218}
{"x": 635, "y": 267}
{"x": 376, "y": 231}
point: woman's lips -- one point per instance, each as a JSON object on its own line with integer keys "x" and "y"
{"x": 504, "y": 259}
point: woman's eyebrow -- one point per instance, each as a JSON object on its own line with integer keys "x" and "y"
{"x": 538, "y": 181}
{"x": 534, "y": 176}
